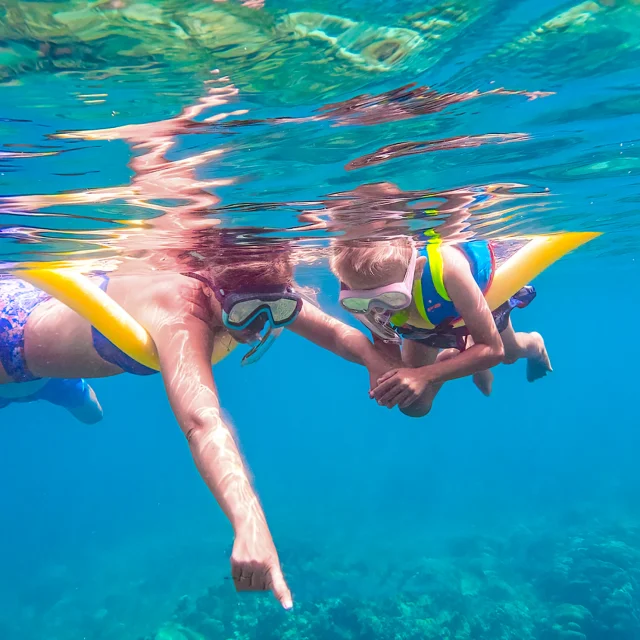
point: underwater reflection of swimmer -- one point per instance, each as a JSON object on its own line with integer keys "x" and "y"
{"x": 247, "y": 294}
{"x": 400, "y": 292}
{"x": 370, "y": 210}
{"x": 382, "y": 210}
{"x": 403, "y": 103}
{"x": 408, "y": 101}
{"x": 155, "y": 179}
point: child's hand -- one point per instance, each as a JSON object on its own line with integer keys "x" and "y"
{"x": 400, "y": 387}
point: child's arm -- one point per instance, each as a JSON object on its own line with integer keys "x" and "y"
{"x": 339, "y": 338}
{"x": 404, "y": 386}
{"x": 185, "y": 343}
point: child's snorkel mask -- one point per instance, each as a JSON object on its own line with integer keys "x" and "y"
{"x": 392, "y": 297}
{"x": 374, "y": 307}
{"x": 278, "y": 306}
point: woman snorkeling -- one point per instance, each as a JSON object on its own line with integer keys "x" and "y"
{"x": 214, "y": 290}
{"x": 246, "y": 294}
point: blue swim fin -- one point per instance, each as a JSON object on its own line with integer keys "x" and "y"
{"x": 75, "y": 395}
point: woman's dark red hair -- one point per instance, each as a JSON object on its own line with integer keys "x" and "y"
{"x": 241, "y": 257}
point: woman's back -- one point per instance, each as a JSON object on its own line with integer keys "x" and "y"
{"x": 45, "y": 338}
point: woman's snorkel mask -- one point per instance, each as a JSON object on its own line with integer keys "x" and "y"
{"x": 374, "y": 307}
{"x": 277, "y": 306}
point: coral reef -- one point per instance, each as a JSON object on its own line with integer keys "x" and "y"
{"x": 579, "y": 583}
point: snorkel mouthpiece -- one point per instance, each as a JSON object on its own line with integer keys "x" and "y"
{"x": 261, "y": 347}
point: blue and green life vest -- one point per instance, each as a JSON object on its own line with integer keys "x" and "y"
{"x": 430, "y": 293}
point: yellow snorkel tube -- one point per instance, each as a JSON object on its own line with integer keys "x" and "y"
{"x": 79, "y": 293}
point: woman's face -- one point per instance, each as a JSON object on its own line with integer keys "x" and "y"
{"x": 269, "y": 270}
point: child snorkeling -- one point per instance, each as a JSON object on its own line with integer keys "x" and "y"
{"x": 412, "y": 299}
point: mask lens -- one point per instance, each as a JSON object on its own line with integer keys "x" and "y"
{"x": 356, "y": 304}
{"x": 241, "y": 312}
{"x": 390, "y": 300}
{"x": 283, "y": 309}
{"x": 393, "y": 300}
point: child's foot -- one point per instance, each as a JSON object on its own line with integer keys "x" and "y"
{"x": 538, "y": 365}
{"x": 484, "y": 381}
{"x": 447, "y": 354}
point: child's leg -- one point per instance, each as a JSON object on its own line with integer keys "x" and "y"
{"x": 482, "y": 379}
{"x": 526, "y": 345}
{"x": 414, "y": 355}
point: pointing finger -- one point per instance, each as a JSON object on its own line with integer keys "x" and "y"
{"x": 279, "y": 587}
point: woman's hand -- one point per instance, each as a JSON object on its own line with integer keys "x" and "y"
{"x": 400, "y": 387}
{"x": 184, "y": 337}
{"x": 255, "y": 565}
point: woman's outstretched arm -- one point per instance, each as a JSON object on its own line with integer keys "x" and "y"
{"x": 341, "y": 339}
{"x": 185, "y": 343}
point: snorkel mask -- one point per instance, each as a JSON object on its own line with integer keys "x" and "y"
{"x": 278, "y": 306}
{"x": 392, "y": 297}
{"x": 374, "y": 307}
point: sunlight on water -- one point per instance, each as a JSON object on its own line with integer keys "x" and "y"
{"x": 230, "y": 115}
{"x": 278, "y": 154}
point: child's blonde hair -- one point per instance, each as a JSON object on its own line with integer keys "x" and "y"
{"x": 374, "y": 259}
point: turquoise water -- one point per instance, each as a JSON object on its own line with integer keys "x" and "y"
{"x": 513, "y": 517}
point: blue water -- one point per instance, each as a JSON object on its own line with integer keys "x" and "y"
{"x": 466, "y": 524}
